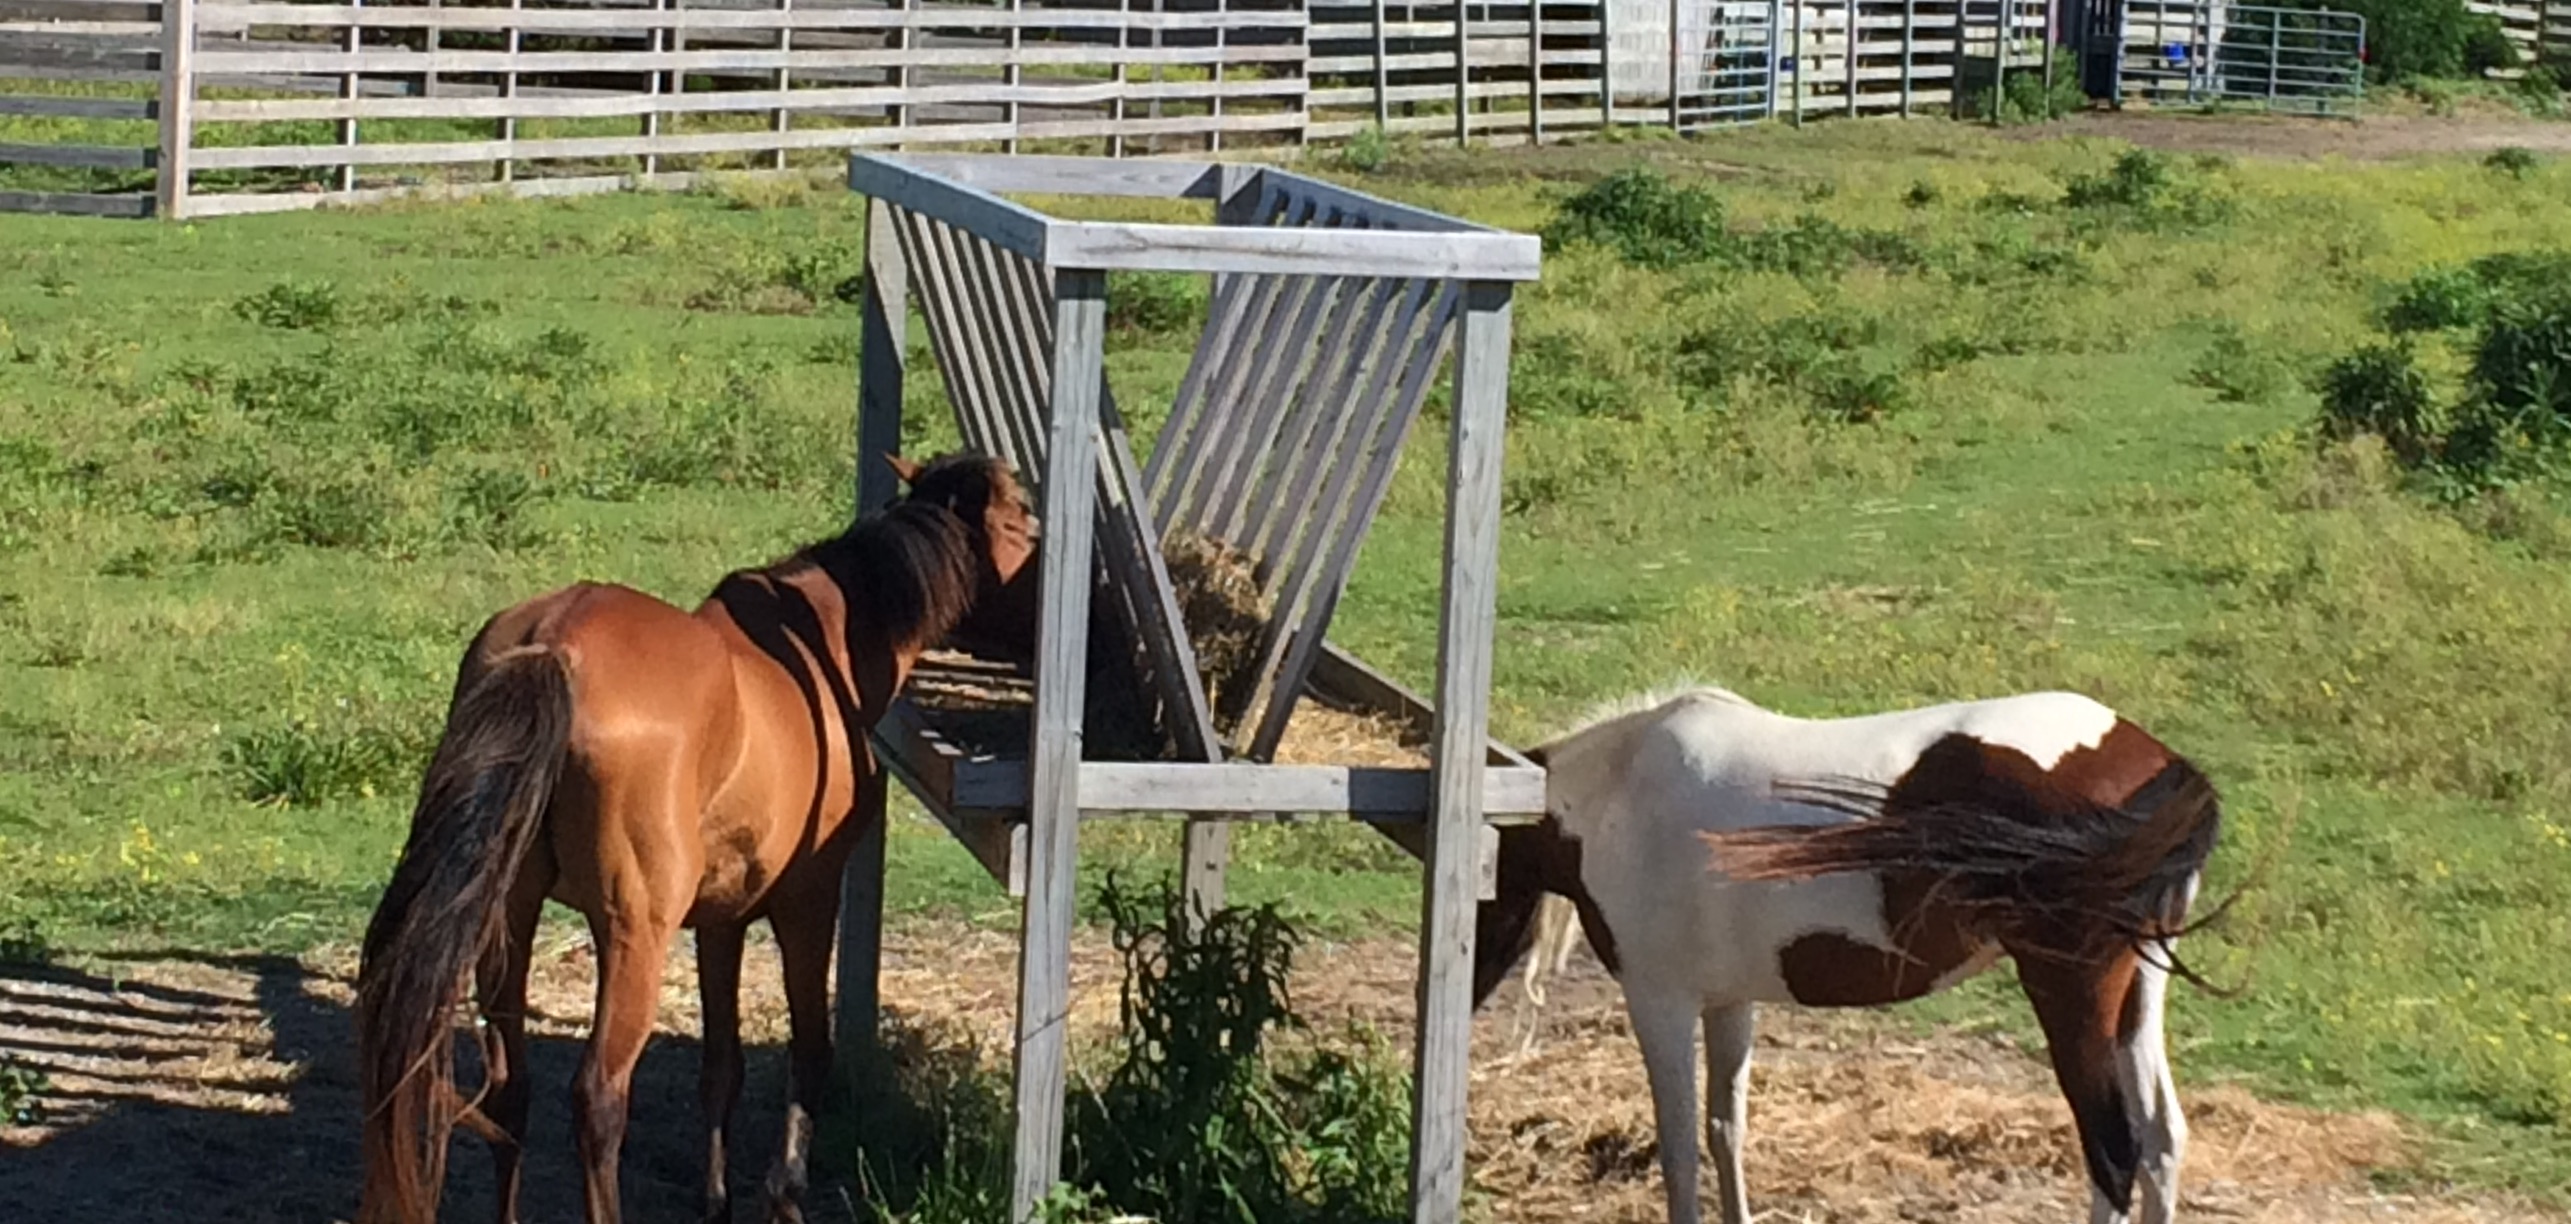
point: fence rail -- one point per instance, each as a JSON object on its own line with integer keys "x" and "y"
{"x": 206, "y": 107}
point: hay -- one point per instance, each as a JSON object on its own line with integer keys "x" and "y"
{"x": 1226, "y": 612}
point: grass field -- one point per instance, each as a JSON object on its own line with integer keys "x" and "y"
{"x": 1948, "y": 435}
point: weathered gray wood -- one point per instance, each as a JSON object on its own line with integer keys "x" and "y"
{"x": 76, "y": 203}
{"x": 882, "y": 318}
{"x": 1463, "y": 82}
{"x": 1053, "y": 810}
{"x": 99, "y": 156}
{"x": 81, "y": 108}
{"x": 1380, "y": 792}
{"x": 1321, "y": 561}
{"x": 619, "y": 21}
{"x": 1012, "y": 226}
{"x": 1144, "y": 246}
{"x": 1151, "y": 178}
{"x": 729, "y": 60}
{"x": 1466, "y": 613}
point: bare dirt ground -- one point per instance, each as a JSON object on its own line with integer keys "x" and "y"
{"x": 2371, "y": 138}
{"x": 223, "y": 1091}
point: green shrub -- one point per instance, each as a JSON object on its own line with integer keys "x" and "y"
{"x": 2147, "y": 188}
{"x": 1199, "y": 1116}
{"x": 21, "y": 1087}
{"x": 292, "y": 306}
{"x": 2380, "y": 389}
{"x": 1367, "y": 152}
{"x": 2411, "y": 39}
{"x": 2512, "y": 161}
{"x": 1644, "y": 218}
{"x": 2238, "y": 370}
{"x": 2028, "y": 101}
{"x": 1158, "y": 303}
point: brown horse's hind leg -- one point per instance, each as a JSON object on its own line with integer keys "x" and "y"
{"x": 804, "y": 924}
{"x": 2081, "y": 1005}
{"x": 500, "y": 983}
{"x": 631, "y": 956}
{"x": 718, "y": 977}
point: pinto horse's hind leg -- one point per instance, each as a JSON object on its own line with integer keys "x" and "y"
{"x": 804, "y": 924}
{"x": 1729, "y": 1032}
{"x": 2143, "y": 1066}
{"x": 1665, "y": 1028}
{"x": 718, "y": 979}
{"x": 2082, "y": 1007}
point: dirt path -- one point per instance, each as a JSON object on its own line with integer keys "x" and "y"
{"x": 223, "y": 1091}
{"x": 2373, "y": 138}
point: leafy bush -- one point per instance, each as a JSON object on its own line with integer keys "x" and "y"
{"x": 1367, "y": 152}
{"x": 2407, "y": 39}
{"x": 2380, "y": 390}
{"x": 20, "y": 1087}
{"x": 2238, "y": 370}
{"x": 1199, "y": 1117}
{"x": 2146, "y": 188}
{"x": 2451, "y": 298}
{"x": 2027, "y": 100}
{"x": 292, "y": 306}
{"x": 2512, "y": 161}
{"x": 1161, "y": 303}
{"x": 1643, "y": 217}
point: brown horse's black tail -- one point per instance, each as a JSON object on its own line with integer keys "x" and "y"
{"x": 2054, "y": 874}
{"x": 481, "y": 807}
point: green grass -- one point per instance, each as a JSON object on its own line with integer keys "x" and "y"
{"x": 1947, "y": 435}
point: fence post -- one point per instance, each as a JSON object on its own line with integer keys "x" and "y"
{"x": 1798, "y": 61}
{"x": 1909, "y": 50}
{"x": 1463, "y": 76}
{"x": 1383, "y": 76}
{"x": 178, "y": 106}
{"x": 2275, "y": 54}
{"x": 1852, "y": 58}
{"x": 1674, "y": 41}
{"x": 2052, "y": 43}
{"x": 1535, "y": 72}
{"x": 1606, "y": 65}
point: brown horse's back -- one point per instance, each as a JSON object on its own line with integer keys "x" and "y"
{"x": 709, "y": 750}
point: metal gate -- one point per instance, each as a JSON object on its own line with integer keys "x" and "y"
{"x": 1725, "y": 71}
{"x": 2173, "y": 51}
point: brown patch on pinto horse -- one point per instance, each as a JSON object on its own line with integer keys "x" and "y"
{"x": 1534, "y": 860}
{"x": 1931, "y": 937}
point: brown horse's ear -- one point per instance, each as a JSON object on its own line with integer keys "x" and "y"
{"x": 904, "y": 470}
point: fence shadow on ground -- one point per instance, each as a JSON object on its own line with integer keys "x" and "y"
{"x": 224, "y": 1090}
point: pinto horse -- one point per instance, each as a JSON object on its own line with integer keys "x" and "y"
{"x": 658, "y": 769}
{"x": 1857, "y": 862}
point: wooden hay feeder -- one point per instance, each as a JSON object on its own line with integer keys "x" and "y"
{"x": 1330, "y": 315}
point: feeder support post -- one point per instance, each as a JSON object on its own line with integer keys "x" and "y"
{"x": 879, "y": 433}
{"x": 1465, "y": 616}
{"x": 1053, "y": 766}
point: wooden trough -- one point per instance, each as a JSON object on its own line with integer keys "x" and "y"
{"x": 1331, "y": 314}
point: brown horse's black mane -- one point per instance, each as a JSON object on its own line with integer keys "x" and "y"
{"x": 913, "y": 568}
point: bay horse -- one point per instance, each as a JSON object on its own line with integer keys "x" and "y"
{"x": 657, "y": 769}
{"x": 1720, "y": 855}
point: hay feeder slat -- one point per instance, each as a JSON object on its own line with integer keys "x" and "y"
{"x": 1330, "y": 315}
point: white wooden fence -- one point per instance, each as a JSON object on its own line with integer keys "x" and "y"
{"x": 207, "y": 107}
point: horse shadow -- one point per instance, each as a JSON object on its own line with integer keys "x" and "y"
{"x": 198, "y": 1090}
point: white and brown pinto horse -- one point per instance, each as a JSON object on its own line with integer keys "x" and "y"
{"x": 1856, "y": 862}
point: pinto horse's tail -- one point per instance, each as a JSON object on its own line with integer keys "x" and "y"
{"x": 2053, "y": 872}
{"x": 481, "y": 807}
